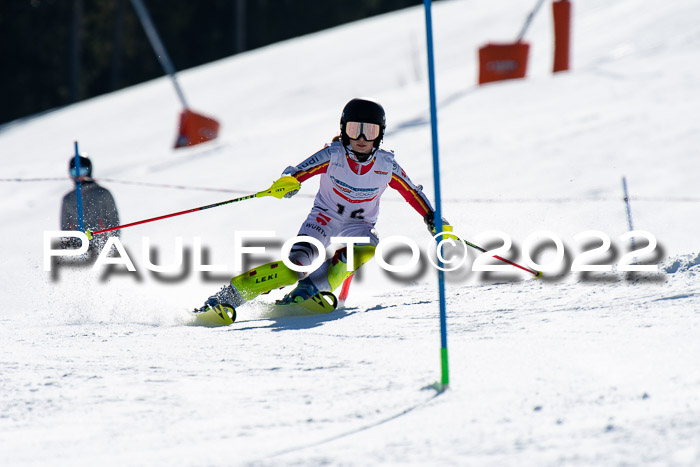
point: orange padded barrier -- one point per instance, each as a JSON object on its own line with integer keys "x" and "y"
{"x": 195, "y": 128}
{"x": 502, "y": 61}
{"x": 562, "y": 33}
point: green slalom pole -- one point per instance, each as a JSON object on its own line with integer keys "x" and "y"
{"x": 445, "y": 380}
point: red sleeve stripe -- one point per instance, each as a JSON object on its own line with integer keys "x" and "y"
{"x": 306, "y": 174}
{"x": 410, "y": 195}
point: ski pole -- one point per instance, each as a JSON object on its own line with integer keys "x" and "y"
{"x": 529, "y": 20}
{"x": 78, "y": 187}
{"x": 278, "y": 189}
{"x": 345, "y": 290}
{"x": 158, "y": 47}
{"x": 628, "y": 209}
{"x": 531, "y": 271}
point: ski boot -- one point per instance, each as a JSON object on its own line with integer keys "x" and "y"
{"x": 307, "y": 296}
{"x": 220, "y": 308}
{"x": 304, "y": 290}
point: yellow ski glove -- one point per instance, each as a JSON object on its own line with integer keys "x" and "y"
{"x": 446, "y": 227}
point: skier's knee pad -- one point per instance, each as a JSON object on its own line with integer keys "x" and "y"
{"x": 303, "y": 253}
{"x": 263, "y": 279}
{"x": 338, "y": 268}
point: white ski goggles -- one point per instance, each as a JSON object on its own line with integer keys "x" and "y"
{"x": 356, "y": 129}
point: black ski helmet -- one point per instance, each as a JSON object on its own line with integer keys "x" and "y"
{"x": 85, "y": 167}
{"x": 364, "y": 111}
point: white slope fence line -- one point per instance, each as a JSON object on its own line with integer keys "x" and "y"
{"x": 650, "y": 199}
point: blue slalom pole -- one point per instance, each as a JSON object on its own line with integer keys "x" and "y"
{"x": 78, "y": 191}
{"x": 445, "y": 381}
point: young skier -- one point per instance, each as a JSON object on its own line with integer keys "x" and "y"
{"x": 99, "y": 208}
{"x": 354, "y": 174}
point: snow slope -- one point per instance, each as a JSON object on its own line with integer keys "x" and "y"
{"x": 99, "y": 367}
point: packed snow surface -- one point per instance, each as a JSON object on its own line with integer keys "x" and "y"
{"x": 101, "y": 367}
